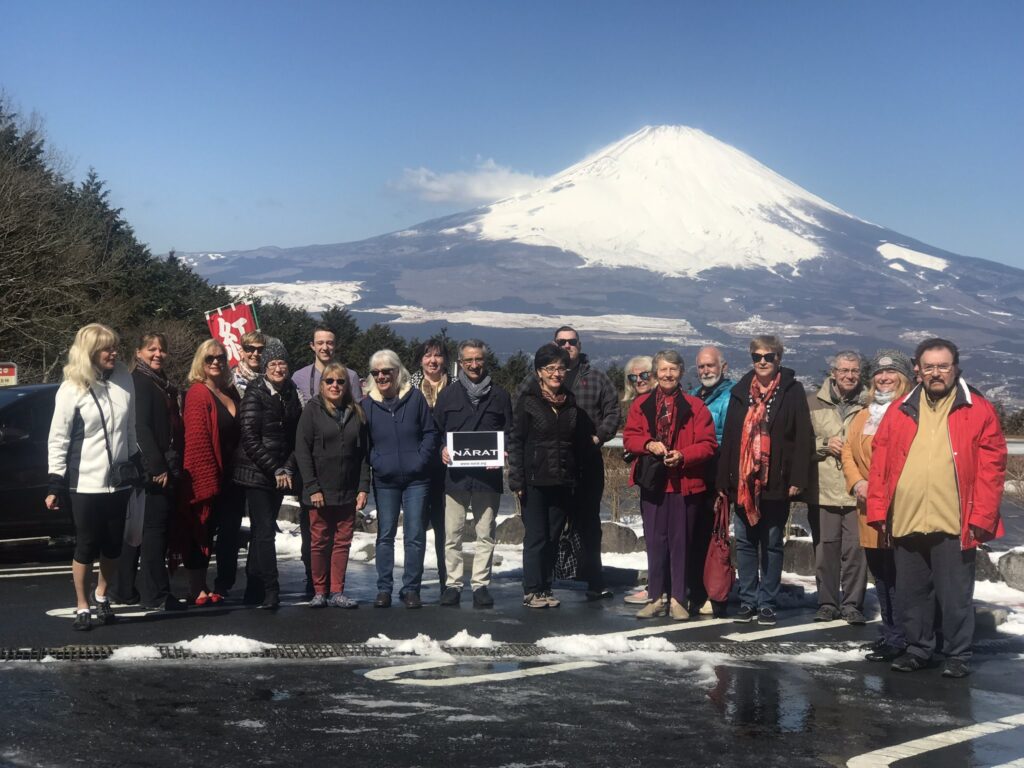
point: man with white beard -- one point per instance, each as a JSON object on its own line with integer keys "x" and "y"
{"x": 714, "y": 390}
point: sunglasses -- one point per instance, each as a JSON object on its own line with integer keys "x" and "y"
{"x": 211, "y": 359}
{"x": 253, "y": 348}
{"x": 569, "y": 342}
{"x": 382, "y": 372}
{"x": 633, "y": 378}
{"x": 331, "y": 382}
{"x": 768, "y": 357}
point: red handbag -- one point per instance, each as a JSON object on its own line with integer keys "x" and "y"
{"x": 719, "y": 574}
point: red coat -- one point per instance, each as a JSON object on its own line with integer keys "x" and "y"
{"x": 694, "y": 439}
{"x": 979, "y": 455}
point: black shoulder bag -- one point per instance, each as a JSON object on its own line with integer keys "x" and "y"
{"x": 121, "y": 473}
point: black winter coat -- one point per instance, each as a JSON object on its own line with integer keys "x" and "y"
{"x": 332, "y": 457}
{"x": 158, "y": 428}
{"x": 792, "y": 439}
{"x": 455, "y": 413}
{"x": 547, "y": 445}
{"x": 267, "y": 422}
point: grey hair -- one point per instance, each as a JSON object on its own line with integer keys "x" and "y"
{"x": 640, "y": 361}
{"x": 774, "y": 343}
{"x": 710, "y": 348}
{"x": 388, "y": 359}
{"x": 668, "y": 356}
{"x": 846, "y": 354}
{"x": 472, "y": 344}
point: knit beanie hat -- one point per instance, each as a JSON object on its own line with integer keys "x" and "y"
{"x": 892, "y": 360}
{"x": 274, "y": 351}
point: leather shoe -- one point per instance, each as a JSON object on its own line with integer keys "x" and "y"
{"x": 451, "y": 596}
{"x": 908, "y": 662}
{"x": 383, "y": 600}
{"x": 412, "y": 600}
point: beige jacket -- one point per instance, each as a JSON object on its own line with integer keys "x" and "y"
{"x": 827, "y": 423}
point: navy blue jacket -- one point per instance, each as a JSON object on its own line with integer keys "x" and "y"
{"x": 403, "y": 438}
{"x": 455, "y": 413}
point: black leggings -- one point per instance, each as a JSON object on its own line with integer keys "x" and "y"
{"x": 223, "y": 532}
{"x": 99, "y": 524}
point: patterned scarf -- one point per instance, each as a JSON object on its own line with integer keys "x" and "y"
{"x": 475, "y": 390}
{"x": 555, "y": 400}
{"x": 755, "y": 450}
{"x": 159, "y": 378}
{"x": 665, "y": 408}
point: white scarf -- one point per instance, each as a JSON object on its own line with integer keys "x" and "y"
{"x": 877, "y": 409}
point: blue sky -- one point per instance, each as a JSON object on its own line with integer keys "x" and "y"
{"x": 230, "y": 125}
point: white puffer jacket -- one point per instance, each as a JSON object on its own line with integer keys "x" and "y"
{"x": 77, "y": 452}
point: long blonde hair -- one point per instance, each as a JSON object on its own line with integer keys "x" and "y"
{"x": 196, "y": 374}
{"x": 339, "y": 370}
{"x": 628, "y": 389}
{"x": 90, "y": 339}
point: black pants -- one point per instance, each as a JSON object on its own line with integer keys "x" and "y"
{"x": 703, "y": 527}
{"x": 932, "y": 568}
{"x": 587, "y": 517}
{"x": 434, "y": 514}
{"x": 544, "y": 514}
{"x": 142, "y": 570}
{"x": 305, "y": 543}
{"x": 99, "y": 524}
{"x": 222, "y": 529}
{"x": 261, "y": 563}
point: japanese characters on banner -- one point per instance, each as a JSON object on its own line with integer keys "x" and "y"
{"x": 229, "y": 323}
{"x": 8, "y": 374}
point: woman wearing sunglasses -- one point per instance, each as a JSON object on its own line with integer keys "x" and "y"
{"x": 766, "y": 453}
{"x": 638, "y": 381}
{"x": 213, "y": 502}
{"x": 251, "y": 362}
{"x": 403, "y": 442}
{"x": 331, "y": 453}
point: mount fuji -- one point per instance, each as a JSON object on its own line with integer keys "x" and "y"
{"x": 666, "y": 237}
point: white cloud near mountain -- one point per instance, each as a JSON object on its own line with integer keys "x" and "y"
{"x": 486, "y": 183}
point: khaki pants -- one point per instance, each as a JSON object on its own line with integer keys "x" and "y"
{"x": 484, "y": 506}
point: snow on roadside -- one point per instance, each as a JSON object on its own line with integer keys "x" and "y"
{"x": 223, "y": 644}
{"x": 602, "y": 645}
{"x": 820, "y": 657}
{"x": 135, "y": 653}
{"x": 421, "y": 645}
{"x": 465, "y": 640}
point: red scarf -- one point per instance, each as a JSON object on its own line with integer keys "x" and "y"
{"x": 555, "y": 400}
{"x": 665, "y": 415}
{"x": 755, "y": 450}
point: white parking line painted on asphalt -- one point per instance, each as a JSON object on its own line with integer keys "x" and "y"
{"x": 1013, "y": 764}
{"x": 393, "y": 674}
{"x": 18, "y": 569}
{"x": 889, "y": 755}
{"x": 64, "y": 572}
{"x": 796, "y": 629}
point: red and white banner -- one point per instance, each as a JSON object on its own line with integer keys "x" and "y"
{"x": 229, "y": 323}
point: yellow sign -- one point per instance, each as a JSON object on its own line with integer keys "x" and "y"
{"x": 8, "y": 374}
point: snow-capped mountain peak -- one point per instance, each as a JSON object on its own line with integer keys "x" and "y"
{"x": 670, "y": 199}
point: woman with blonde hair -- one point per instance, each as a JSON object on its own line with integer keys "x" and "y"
{"x": 638, "y": 379}
{"x": 254, "y": 344}
{"x": 93, "y": 461}
{"x": 891, "y": 376}
{"x": 331, "y": 451}
{"x": 213, "y": 502}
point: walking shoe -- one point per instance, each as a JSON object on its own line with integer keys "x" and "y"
{"x": 450, "y": 596}
{"x": 598, "y": 594}
{"x": 551, "y": 600}
{"x": 826, "y": 613}
{"x": 270, "y": 602}
{"x": 746, "y": 615}
{"x": 637, "y": 598}
{"x": 883, "y": 652}
{"x": 383, "y": 600}
{"x": 482, "y": 598}
{"x": 104, "y": 613}
{"x": 854, "y": 617}
{"x": 956, "y": 668}
{"x": 653, "y": 610}
{"x": 83, "y": 621}
{"x": 766, "y": 616}
{"x": 534, "y": 600}
{"x": 908, "y": 662}
{"x": 338, "y": 600}
{"x": 677, "y": 611}
{"x": 411, "y": 599}
{"x": 874, "y": 645}
{"x": 319, "y": 600}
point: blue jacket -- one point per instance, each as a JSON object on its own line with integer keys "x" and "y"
{"x": 717, "y": 401}
{"x": 403, "y": 438}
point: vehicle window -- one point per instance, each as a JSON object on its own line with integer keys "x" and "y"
{"x": 8, "y": 396}
{"x": 17, "y": 417}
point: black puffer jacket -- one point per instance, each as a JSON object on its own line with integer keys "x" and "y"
{"x": 267, "y": 422}
{"x": 792, "y": 439}
{"x": 547, "y": 444}
{"x": 332, "y": 456}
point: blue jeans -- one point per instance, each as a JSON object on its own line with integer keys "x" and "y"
{"x": 759, "y": 554}
{"x": 390, "y": 501}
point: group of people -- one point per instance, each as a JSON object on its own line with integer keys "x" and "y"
{"x": 901, "y": 465}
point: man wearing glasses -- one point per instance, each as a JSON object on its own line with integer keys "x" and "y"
{"x": 937, "y": 470}
{"x": 831, "y": 510}
{"x": 595, "y": 395}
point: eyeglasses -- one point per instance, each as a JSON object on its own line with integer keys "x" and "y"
{"x": 253, "y": 349}
{"x": 382, "y": 372}
{"x": 847, "y": 371}
{"x": 633, "y": 378}
{"x": 331, "y": 382}
{"x": 569, "y": 342}
{"x": 211, "y": 359}
{"x": 277, "y": 364}
{"x": 927, "y": 370}
{"x": 472, "y": 361}
{"x": 768, "y": 357}
{"x": 554, "y": 370}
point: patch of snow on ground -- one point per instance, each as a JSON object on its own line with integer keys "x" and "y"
{"x": 223, "y": 644}
{"x": 253, "y": 725}
{"x": 309, "y": 297}
{"x": 135, "y": 653}
{"x": 897, "y": 266}
{"x": 756, "y": 324}
{"x": 821, "y": 657}
{"x": 465, "y": 640}
{"x": 602, "y": 645}
{"x": 421, "y": 645}
{"x": 892, "y": 251}
{"x": 469, "y": 718}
